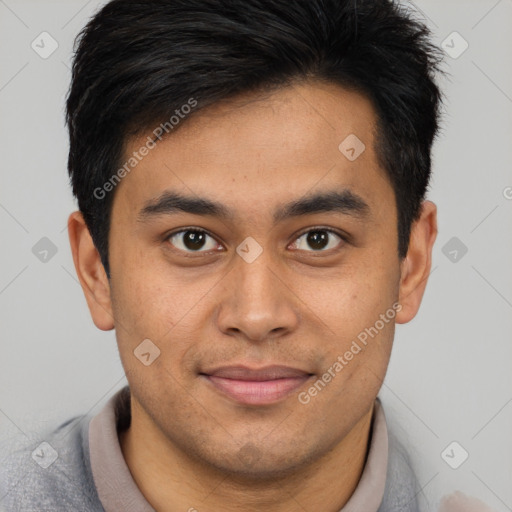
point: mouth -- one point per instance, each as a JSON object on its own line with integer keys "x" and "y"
{"x": 261, "y": 386}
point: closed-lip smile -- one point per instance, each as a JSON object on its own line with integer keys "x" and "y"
{"x": 256, "y": 386}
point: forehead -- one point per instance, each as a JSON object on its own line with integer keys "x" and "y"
{"x": 263, "y": 148}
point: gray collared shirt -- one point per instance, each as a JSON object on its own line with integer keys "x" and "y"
{"x": 89, "y": 472}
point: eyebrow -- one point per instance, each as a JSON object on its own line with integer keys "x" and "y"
{"x": 172, "y": 202}
{"x": 345, "y": 202}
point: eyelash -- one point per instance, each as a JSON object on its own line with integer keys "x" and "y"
{"x": 344, "y": 238}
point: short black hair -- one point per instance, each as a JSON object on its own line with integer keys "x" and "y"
{"x": 137, "y": 63}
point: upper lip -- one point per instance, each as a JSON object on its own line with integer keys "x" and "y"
{"x": 256, "y": 374}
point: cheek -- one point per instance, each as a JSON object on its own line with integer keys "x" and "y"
{"x": 163, "y": 308}
{"x": 356, "y": 308}
{"x": 152, "y": 298}
{"x": 350, "y": 298}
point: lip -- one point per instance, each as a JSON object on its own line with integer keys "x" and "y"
{"x": 257, "y": 386}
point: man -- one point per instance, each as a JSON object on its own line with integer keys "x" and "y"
{"x": 252, "y": 222}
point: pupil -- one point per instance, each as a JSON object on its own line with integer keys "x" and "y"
{"x": 317, "y": 239}
{"x": 194, "y": 240}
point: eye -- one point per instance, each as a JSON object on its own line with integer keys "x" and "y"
{"x": 193, "y": 240}
{"x": 317, "y": 240}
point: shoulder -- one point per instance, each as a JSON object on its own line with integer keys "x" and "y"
{"x": 402, "y": 488}
{"x": 50, "y": 472}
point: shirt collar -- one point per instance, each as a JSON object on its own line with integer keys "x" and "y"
{"x": 118, "y": 491}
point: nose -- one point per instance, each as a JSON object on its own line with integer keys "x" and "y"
{"x": 256, "y": 303}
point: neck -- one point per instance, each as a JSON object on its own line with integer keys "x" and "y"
{"x": 171, "y": 481}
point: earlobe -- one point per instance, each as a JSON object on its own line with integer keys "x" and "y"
{"x": 91, "y": 272}
{"x": 417, "y": 264}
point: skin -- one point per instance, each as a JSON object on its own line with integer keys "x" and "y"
{"x": 189, "y": 445}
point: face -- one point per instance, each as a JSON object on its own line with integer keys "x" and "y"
{"x": 256, "y": 255}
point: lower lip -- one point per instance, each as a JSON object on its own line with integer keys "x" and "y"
{"x": 257, "y": 392}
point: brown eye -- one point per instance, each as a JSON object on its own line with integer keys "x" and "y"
{"x": 194, "y": 240}
{"x": 191, "y": 240}
{"x": 317, "y": 240}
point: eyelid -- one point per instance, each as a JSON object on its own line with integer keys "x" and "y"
{"x": 344, "y": 237}
{"x": 195, "y": 229}
{"x": 338, "y": 232}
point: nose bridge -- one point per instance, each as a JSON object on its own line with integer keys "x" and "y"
{"x": 256, "y": 281}
{"x": 257, "y": 289}
{"x": 258, "y": 304}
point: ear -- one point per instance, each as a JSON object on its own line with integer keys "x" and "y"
{"x": 91, "y": 273}
{"x": 415, "y": 268}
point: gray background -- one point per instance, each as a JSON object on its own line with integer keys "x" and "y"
{"x": 449, "y": 378}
